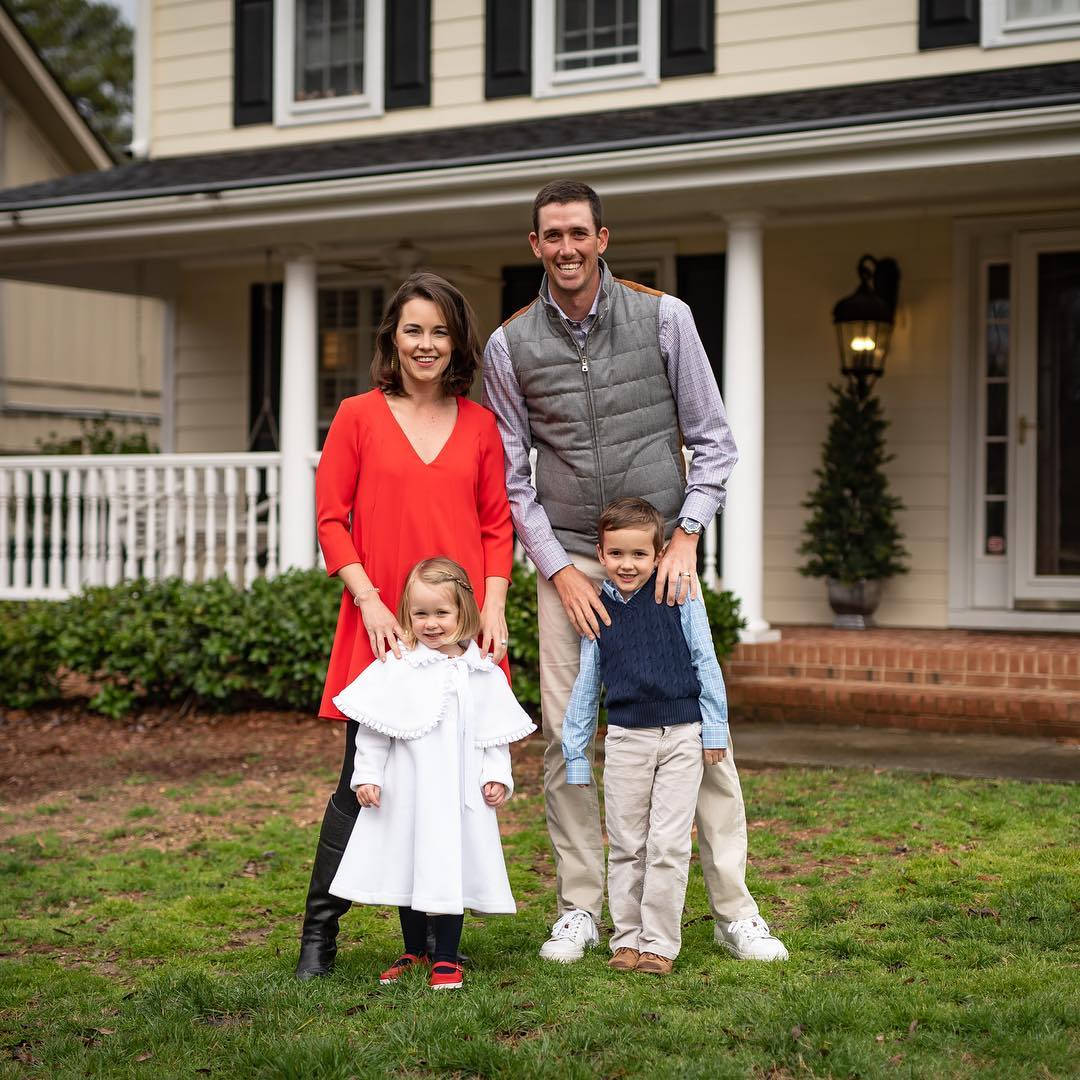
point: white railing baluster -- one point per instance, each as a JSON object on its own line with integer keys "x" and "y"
{"x": 113, "y": 562}
{"x": 18, "y": 564}
{"x": 709, "y": 571}
{"x": 251, "y": 493}
{"x": 149, "y": 568}
{"x": 172, "y": 564}
{"x": 5, "y": 534}
{"x": 131, "y": 537}
{"x": 189, "y": 524}
{"x": 230, "y": 524}
{"x": 73, "y": 574}
{"x": 272, "y": 521}
{"x": 37, "y": 530}
{"x": 56, "y": 566}
{"x": 95, "y": 570}
{"x": 210, "y": 534}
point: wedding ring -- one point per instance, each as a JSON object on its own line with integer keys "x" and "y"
{"x": 505, "y": 641}
{"x": 684, "y": 573}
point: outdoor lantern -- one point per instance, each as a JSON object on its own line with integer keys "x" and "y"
{"x": 864, "y": 321}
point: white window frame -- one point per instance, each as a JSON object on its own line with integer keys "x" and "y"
{"x": 287, "y": 110}
{"x": 547, "y": 82}
{"x": 998, "y": 30}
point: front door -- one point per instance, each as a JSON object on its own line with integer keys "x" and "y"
{"x": 1046, "y": 441}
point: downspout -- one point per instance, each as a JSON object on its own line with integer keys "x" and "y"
{"x": 143, "y": 80}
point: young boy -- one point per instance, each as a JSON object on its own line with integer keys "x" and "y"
{"x": 667, "y": 719}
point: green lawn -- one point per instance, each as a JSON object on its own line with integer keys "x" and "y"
{"x": 932, "y": 925}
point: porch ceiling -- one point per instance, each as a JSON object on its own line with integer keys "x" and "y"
{"x": 899, "y": 147}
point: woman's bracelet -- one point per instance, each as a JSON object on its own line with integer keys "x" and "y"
{"x": 363, "y": 594}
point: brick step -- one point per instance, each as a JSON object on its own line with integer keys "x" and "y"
{"x": 1014, "y": 711}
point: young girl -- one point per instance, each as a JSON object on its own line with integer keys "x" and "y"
{"x": 432, "y": 764}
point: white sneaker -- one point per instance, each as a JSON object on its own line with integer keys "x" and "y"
{"x": 571, "y": 935}
{"x": 750, "y": 939}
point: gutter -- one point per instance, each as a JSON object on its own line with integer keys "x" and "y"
{"x": 212, "y": 188}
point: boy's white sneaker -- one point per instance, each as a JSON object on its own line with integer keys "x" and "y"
{"x": 750, "y": 939}
{"x": 571, "y": 935}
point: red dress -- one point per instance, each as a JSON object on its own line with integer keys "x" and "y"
{"x": 378, "y": 504}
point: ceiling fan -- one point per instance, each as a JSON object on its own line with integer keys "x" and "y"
{"x": 399, "y": 260}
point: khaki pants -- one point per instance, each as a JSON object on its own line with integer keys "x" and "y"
{"x": 651, "y": 780}
{"x": 573, "y": 812}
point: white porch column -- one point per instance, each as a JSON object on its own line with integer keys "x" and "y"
{"x": 299, "y": 335}
{"x": 743, "y": 519}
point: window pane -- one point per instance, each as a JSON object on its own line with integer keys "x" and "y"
{"x": 1041, "y": 9}
{"x": 995, "y": 528}
{"x": 997, "y": 409}
{"x": 995, "y": 468}
{"x": 997, "y": 350}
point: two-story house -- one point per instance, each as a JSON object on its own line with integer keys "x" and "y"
{"x": 297, "y": 157}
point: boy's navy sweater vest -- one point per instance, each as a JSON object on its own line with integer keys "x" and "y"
{"x": 645, "y": 664}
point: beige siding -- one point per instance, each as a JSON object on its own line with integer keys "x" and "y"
{"x": 807, "y": 271}
{"x": 212, "y": 351}
{"x": 66, "y": 349}
{"x": 761, "y": 47}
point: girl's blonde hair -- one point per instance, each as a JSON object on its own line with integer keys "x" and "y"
{"x": 442, "y": 571}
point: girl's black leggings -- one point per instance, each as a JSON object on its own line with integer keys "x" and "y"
{"x": 414, "y": 924}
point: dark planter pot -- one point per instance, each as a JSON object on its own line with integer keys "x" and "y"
{"x": 854, "y": 605}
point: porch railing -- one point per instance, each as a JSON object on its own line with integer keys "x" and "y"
{"x": 69, "y": 522}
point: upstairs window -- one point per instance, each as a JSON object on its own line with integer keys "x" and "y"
{"x": 583, "y": 45}
{"x": 1022, "y": 22}
{"x": 329, "y": 60}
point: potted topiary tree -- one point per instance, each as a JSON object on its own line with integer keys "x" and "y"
{"x": 852, "y": 538}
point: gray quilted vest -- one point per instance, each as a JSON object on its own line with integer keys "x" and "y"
{"x": 603, "y": 419}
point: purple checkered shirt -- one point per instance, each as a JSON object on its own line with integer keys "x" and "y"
{"x": 702, "y": 421}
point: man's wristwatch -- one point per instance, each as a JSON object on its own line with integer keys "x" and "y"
{"x": 690, "y": 526}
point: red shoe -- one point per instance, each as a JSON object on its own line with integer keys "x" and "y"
{"x": 445, "y": 976}
{"x": 400, "y": 966}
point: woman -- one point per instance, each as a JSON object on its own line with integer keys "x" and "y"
{"x": 410, "y": 470}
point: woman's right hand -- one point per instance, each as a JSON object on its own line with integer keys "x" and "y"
{"x": 383, "y": 630}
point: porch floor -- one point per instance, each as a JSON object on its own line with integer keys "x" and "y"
{"x": 930, "y": 680}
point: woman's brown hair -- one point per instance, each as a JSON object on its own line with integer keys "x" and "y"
{"x": 458, "y": 377}
{"x": 442, "y": 571}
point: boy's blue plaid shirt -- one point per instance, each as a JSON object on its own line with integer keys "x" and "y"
{"x": 579, "y": 726}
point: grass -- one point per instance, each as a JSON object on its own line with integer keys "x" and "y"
{"x": 932, "y": 925}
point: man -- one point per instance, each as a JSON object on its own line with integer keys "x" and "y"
{"x": 606, "y": 379}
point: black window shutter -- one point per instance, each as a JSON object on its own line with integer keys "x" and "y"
{"x": 687, "y": 37}
{"x": 253, "y": 62}
{"x": 264, "y": 403}
{"x": 944, "y": 23}
{"x": 408, "y": 54}
{"x": 507, "y": 48}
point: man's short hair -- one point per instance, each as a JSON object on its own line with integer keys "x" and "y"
{"x": 632, "y": 513}
{"x": 567, "y": 191}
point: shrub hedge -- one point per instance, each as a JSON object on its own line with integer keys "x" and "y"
{"x": 213, "y": 645}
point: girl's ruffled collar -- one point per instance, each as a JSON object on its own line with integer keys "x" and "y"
{"x": 420, "y": 656}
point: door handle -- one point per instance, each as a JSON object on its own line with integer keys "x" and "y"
{"x": 1023, "y": 425}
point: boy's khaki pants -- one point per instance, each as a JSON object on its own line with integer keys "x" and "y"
{"x": 651, "y": 779}
{"x": 573, "y": 812}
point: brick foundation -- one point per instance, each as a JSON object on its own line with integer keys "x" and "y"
{"x": 932, "y": 680}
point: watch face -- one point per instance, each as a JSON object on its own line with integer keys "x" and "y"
{"x": 688, "y": 525}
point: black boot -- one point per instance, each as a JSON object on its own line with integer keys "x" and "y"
{"x": 318, "y": 940}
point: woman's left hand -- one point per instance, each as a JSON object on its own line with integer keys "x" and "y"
{"x": 493, "y": 634}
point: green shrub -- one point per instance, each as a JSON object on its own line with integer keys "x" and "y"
{"x": 211, "y": 644}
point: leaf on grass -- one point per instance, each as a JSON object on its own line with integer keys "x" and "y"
{"x": 21, "y": 1052}
{"x": 796, "y": 1032}
{"x": 983, "y": 913}
{"x": 896, "y": 1059}
{"x": 901, "y": 849}
{"x": 105, "y": 1031}
{"x": 146, "y": 1055}
{"x": 912, "y": 1026}
{"x": 879, "y": 1038}
{"x": 356, "y": 1009}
